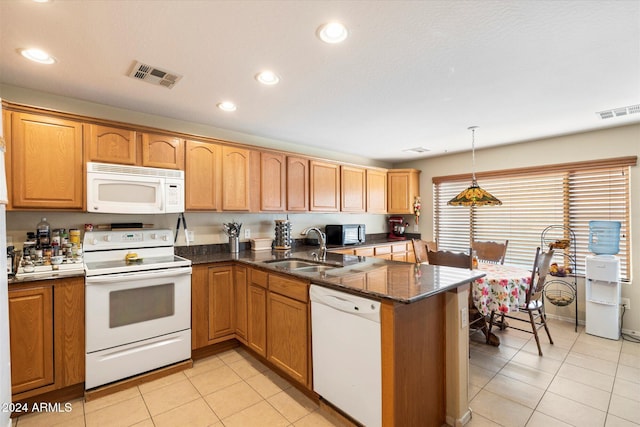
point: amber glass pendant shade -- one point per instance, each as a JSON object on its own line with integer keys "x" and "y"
{"x": 474, "y": 195}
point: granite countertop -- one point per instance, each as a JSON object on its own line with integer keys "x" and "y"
{"x": 365, "y": 276}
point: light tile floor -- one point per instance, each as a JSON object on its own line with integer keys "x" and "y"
{"x": 581, "y": 380}
{"x": 227, "y": 390}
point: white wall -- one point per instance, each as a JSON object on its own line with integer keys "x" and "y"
{"x": 608, "y": 143}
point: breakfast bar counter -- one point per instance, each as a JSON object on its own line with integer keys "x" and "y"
{"x": 424, "y": 335}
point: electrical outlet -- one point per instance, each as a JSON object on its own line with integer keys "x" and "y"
{"x": 247, "y": 233}
{"x": 464, "y": 318}
{"x": 626, "y": 302}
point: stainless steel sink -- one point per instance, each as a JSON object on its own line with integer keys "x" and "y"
{"x": 301, "y": 265}
{"x": 291, "y": 264}
{"x": 315, "y": 268}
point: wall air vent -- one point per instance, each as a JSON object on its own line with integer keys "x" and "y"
{"x": 154, "y": 75}
{"x": 618, "y": 112}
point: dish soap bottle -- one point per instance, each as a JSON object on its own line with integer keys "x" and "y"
{"x": 43, "y": 233}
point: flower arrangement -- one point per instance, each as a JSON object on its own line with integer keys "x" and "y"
{"x": 417, "y": 206}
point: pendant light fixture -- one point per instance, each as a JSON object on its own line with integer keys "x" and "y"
{"x": 474, "y": 195}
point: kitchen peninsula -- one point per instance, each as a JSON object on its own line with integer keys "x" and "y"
{"x": 424, "y": 341}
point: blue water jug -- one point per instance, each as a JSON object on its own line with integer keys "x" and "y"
{"x": 604, "y": 237}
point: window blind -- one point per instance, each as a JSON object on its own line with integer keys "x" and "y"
{"x": 562, "y": 195}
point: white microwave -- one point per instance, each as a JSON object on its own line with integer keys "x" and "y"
{"x": 134, "y": 189}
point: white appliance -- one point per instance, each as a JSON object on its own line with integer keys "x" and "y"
{"x": 345, "y": 331}
{"x": 5, "y": 355}
{"x": 602, "y": 294}
{"x": 138, "y": 310}
{"x": 134, "y": 189}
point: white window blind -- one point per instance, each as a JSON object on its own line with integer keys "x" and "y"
{"x": 568, "y": 195}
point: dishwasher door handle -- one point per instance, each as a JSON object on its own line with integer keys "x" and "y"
{"x": 348, "y": 306}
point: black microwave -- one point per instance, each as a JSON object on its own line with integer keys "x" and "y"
{"x": 345, "y": 234}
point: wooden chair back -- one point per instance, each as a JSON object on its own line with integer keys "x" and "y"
{"x": 541, "y": 267}
{"x": 492, "y": 252}
{"x": 450, "y": 259}
{"x": 419, "y": 250}
{"x": 432, "y": 245}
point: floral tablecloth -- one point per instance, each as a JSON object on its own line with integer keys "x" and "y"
{"x": 503, "y": 289}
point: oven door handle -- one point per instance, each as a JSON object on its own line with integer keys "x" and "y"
{"x": 155, "y": 274}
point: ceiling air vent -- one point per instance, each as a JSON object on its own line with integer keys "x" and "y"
{"x": 154, "y": 75}
{"x": 618, "y": 112}
{"x": 417, "y": 150}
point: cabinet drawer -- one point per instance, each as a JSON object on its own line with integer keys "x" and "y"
{"x": 295, "y": 289}
{"x": 259, "y": 277}
{"x": 382, "y": 250}
{"x": 364, "y": 252}
{"x": 399, "y": 247}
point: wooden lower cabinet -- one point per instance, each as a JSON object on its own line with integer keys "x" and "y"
{"x": 212, "y": 304}
{"x": 399, "y": 251}
{"x": 257, "y": 311}
{"x": 288, "y": 332}
{"x": 221, "y": 302}
{"x": 46, "y": 333}
{"x": 31, "y": 338}
{"x": 240, "y": 295}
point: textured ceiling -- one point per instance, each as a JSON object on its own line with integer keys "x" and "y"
{"x": 411, "y": 74}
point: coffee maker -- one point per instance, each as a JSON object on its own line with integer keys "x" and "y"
{"x": 396, "y": 228}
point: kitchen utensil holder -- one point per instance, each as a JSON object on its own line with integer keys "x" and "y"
{"x": 283, "y": 234}
{"x": 234, "y": 244}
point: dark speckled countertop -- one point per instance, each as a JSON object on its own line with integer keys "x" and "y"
{"x": 366, "y": 276}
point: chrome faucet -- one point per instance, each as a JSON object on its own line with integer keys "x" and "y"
{"x": 323, "y": 241}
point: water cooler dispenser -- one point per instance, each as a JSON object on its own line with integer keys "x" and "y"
{"x": 602, "y": 280}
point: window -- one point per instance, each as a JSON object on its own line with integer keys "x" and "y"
{"x": 568, "y": 195}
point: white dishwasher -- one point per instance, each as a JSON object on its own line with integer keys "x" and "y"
{"x": 345, "y": 332}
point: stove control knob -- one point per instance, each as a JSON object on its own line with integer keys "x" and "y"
{"x": 165, "y": 237}
{"x": 93, "y": 241}
{"x": 107, "y": 238}
{"x": 153, "y": 236}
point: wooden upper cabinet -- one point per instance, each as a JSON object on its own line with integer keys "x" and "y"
{"x": 6, "y": 126}
{"x": 273, "y": 174}
{"x": 108, "y": 144}
{"x": 47, "y": 162}
{"x": 376, "y": 191}
{"x": 162, "y": 151}
{"x": 325, "y": 186}
{"x": 235, "y": 179}
{"x": 297, "y": 184}
{"x": 202, "y": 176}
{"x": 404, "y": 187}
{"x": 31, "y": 338}
{"x": 353, "y": 183}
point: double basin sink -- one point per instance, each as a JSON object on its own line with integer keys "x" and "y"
{"x": 302, "y": 265}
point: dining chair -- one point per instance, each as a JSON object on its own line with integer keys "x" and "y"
{"x": 420, "y": 248}
{"x": 492, "y": 252}
{"x": 450, "y": 259}
{"x": 463, "y": 260}
{"x": 533, "y": 304}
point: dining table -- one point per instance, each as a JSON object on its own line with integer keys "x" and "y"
{"x": 502, "y": 289}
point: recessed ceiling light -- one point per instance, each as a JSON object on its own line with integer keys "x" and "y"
{"x": 333, "y": 32}
{"x": 267, "y": 77}
{"x": 227, "y": 106}
{"x": 37, "y": 55}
